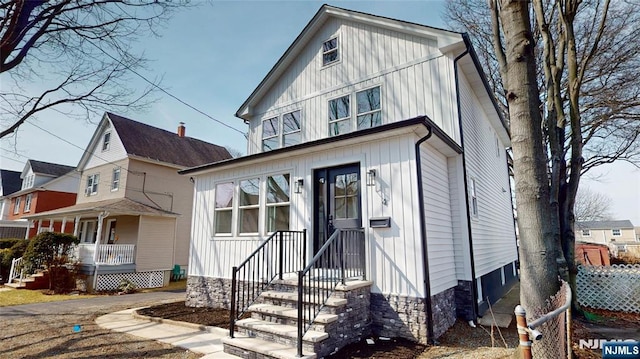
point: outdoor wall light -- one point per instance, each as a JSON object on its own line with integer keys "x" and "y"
{"x": 371, "y": 177}
{"x": 299, "y": 184}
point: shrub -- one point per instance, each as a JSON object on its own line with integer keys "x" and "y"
{"x": 51, "y": 250}
{"x": 6, "y": 243}
{"x": 7, "y": 254}
{"x": 126, "y": 286}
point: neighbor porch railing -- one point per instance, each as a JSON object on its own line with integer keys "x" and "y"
{"x": 342, "y": 256}
{"x": 110, "y": 254}
{"x": 282, "y": 252}
{"x": 17, "y": 270}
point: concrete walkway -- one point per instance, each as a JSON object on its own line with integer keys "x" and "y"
{"x": 501, "y": 312}
{"x": 193, "y": 337}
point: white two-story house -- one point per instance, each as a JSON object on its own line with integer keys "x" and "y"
{"x": 381, "y": 135}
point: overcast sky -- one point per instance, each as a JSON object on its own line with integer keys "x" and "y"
{"x": 214, "y": 55}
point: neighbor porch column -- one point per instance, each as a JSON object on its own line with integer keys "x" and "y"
{"x": 98, "y": 236}
{"x": 76, "y": 226}
{"x": 39, "y": 226}
{"x": 30, "y": 224}
{"x": 63, "y": 225}
{"x": 51, "y": 220}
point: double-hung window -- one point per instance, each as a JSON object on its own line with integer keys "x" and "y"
{"x": 369, "y": 111}
{"x": 616, "y": 232}
{"x": 586, "y": 233}
{"x": 339, "y": 116}
{"x": 106, "y": 141}
{"x": 278, "y": 193}
{"x": 330, "y": 51}
{"x": 270, "y": 134}
{"x": 115, "y": 179}
{"x": 223, "y": 208}
{"x": 291, "y": 128}
{"x": 249, "y": 206}
{"x": 474, "y": 197}
{"x": 92, "y": 184}
{"x": 27, "y": 202}
{"x": 16, "y": 205}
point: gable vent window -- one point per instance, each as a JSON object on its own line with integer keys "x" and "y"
{"x": 369, "y": 112}
{"x": 92, "y": 184}
{"x": 270, "y": 132}
{"x": 339, "y": 116}
{"x": 106, "y": 141}
{"x": 330, "y": 51}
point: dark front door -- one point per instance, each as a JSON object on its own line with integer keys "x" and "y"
{"x": 337, "y": 201}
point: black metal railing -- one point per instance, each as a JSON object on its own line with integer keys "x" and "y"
{"x": 341, "y": 257}
{"x": 282, "y": 252}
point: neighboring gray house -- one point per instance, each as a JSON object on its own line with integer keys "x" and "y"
{"x": 374, "y": 145}
{"x": 10, "y": 182}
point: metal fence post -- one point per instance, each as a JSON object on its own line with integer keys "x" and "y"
{"x": 523, "y": 334}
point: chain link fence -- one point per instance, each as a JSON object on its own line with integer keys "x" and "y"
{"x": 615, "y": 288}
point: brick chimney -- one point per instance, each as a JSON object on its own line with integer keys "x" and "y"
{"x": 181, "y": 129}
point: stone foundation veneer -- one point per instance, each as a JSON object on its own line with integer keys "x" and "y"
{"x": 208, "y": 292}
{"x": 406, "y": 317}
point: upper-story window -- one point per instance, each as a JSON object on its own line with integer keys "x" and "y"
{"x": 616, "y": 232}
{"x": 330, "y": 51}
{"x": 106, "y": 141}
{"x": 270, "y": 134}
{"x": 369, "y": 111}
{"x": 92, "y": 184}
{"x": 27, "y": 202}
{"x": 16, "y": 205}
{"x": 339, "y": 116}
{"x": 586, "y": 233}
{"x": 273, "y": 136}
{"x": 115, "y": 179}
{"x": 28, "y": 181}
{"x": 474, "y": 197}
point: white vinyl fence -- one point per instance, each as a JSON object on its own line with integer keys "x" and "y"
{"x": 615, "y": 288}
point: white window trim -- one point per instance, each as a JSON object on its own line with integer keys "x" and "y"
{"x": 473, "y": 197}
{"x": 106, "y": 145}
{"x": 249, "y": 206}
{"x": 113, "y": 181}
{"x": 613, "y": 233}
{"x": 16, "y": 205}
{"x": 280, "y": 135}
{"x": 27, "y": 202}
{"x": 586, "y": 233}
{"x": 95, "y": 181}
{"x": 277, "y": 135}
{"x": 283, "y": 134}
{"x": 337, "y": 49}
{"x": 277, "y": 204}
{"x": 232, "y": 208}
{"x": 349, "y": 117}
{"x": 355, "y": 108}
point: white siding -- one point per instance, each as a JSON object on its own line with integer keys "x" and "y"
{"x": 115, "y": 152}
{"x": 394, "y": 257}
{"x": 459, "y": 220}
{"x": 438, "y": 217}
{"x": 154, "y": 250}
{"x": 65, "y": 183}
{"x": 493, "y": 229}
{"x": 415, "y": 80}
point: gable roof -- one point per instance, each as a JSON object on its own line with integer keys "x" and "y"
{"x": 145, "y": 141}
{"x": 11, "y": 181}
{"x": 48, "y": 168}
{"x": 604, "y": 224}
{"x": 445, "y": 38}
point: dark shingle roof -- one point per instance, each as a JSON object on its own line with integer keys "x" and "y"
{"x": 52, "y": 169}
{"x": 11, "y": 181}
{"x": 146, "y": 141}
{"x": 604, "y": 224}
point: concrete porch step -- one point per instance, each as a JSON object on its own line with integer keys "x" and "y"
{"x": 247, "y": 347}
{"x": 290, "y": 313}
{"x": 16, "y": 285}
{"x": 293, "y": 297}
{"x": 281, "y": 330}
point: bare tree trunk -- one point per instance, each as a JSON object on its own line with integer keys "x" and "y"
{"x": 539, "y": 273}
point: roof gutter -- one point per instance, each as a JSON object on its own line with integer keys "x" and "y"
{"x": 474, "y": 284}
{"x": 423, "y": 234}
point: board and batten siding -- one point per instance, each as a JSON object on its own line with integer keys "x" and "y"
{"x": 414, "y": 77}
{"x": 494, "y": 243}
{"x": 154, "y": 250}
{"x": 439, "y": 221}
{"x": 394, "y": 255}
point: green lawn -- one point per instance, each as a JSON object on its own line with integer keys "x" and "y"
{"x": 24, "y": 296}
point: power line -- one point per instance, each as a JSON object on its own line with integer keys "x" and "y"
{"x": 168, "y": 93}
